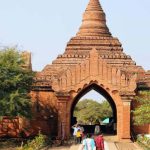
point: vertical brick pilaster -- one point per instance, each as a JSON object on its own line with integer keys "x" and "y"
{"x": 63, "y": 116}
{"x": 126, "y": 98}
{"x": 126, "y": 120}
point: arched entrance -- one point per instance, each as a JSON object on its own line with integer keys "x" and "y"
{"x": 102, "y": 92}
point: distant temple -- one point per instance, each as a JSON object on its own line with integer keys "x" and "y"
{"x": 27, "y": 59}
{"x": 93, "y": 59}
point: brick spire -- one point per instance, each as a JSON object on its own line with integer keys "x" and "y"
{"x": 94, "y": 21}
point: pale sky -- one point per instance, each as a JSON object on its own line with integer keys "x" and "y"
{"x": 93, "y": 95}
{"x": 45, "y": 26}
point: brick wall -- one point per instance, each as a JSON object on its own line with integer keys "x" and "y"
{"x": 142, "y": 129}
{"x": 9, "y": 127}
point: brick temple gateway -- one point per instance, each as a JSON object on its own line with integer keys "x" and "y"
{"x": 93, "y": 59}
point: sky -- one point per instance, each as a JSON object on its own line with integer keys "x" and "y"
{"x": 93, "y": 95}
{"x": 44, "y": 27}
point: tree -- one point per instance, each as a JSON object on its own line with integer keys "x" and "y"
{"x": 141, "y": 114}
{"x": 89, "y": 111}
{"x": 15, "y": 84}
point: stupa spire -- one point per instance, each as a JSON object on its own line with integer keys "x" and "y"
{"x": 94, "y": 21}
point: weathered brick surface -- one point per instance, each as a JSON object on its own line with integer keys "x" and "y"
{"x": 92, "y": 59}
{"x": 142, "y": 129}
{"x": 9, "y": 127}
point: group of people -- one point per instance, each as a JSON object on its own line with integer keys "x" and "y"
{"x": 89, "y": 141}
{"x": 78, "y": 133}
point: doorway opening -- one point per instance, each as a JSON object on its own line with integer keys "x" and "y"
{"x": 93, "y": 105}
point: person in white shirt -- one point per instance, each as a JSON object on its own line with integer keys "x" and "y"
{"x": 75, "y": 129}
{"x": 88, "y": 143}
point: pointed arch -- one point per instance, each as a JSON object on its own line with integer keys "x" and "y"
{"x": 98, "y": 89}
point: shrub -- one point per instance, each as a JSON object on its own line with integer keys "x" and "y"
{"x": 144, "y": 141}
{"x": 36, "y": 144}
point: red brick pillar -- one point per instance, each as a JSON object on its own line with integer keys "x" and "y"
{"x": 126, "y": 118}
{"x": 62, "y": 116}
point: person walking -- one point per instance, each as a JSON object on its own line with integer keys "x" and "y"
{"x": 97, "y": 129}
{"x": 79, "y": 136}
{"x": 99, "y": 141}
{"x": 75, "y": 129}
{"x": 88, "y": 143}
{"x": 82, "y": 131}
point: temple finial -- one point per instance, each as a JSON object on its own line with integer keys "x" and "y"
{"x": 94, "y": 21}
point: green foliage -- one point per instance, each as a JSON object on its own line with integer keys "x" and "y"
{"x": 88, "y": 111}
{"x": 141, "y": 114}
{"x": 144, "y": 141}
{"x": 15, "y": 83}
{"x": 36, "y": 144}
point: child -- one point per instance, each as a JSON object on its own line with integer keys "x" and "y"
{"x": 79, "y": 136}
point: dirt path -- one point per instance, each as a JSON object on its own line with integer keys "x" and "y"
{"x": 110, "y": 146}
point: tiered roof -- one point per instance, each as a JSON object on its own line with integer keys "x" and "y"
{"x": 93, "y": 33}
